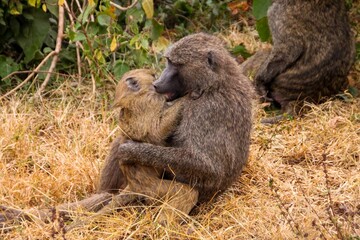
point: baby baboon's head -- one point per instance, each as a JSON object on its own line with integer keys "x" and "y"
{"x": 134, "y": 88}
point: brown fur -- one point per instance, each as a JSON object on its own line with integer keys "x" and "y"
{"x": 211, "y": 143}
{"x": 313, "y": 50}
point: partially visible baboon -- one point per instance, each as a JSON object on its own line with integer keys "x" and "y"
{"x": 313, "y": 50}
{"x": 251, "y": 66}
{"x": 211, "y": 144}
{"x": 144, "y": 116}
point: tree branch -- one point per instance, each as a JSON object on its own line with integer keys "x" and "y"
{"x": 57, "y": 50}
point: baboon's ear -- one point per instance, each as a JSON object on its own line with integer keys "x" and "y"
{"x": 132, "y": 83}
{"x": 211, "y": 60}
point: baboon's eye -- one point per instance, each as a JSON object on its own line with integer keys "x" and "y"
{"x": 211, "y": 60}
{"x": 132, "y": 84}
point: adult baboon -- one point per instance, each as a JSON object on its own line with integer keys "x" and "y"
{"x": 211, "y": 144}
{"x": 144, "y": 116}
{"x": 313, "y": 50}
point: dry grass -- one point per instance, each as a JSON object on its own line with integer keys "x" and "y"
{"x": 302, "y": 179}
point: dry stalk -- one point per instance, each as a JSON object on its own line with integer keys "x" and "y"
{"x": 57, "y": 50}
{"x": 312, "y": 209}
{"x": 284, "y": 210}
{"x": 330, "y": 209}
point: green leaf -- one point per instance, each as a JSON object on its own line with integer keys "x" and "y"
{"x": 145, "y": 43}
{"x": 93, "y": 29}
{"x": 79, "y": 36}
{"x": 47, "y": 50}
{"x": 134, "y": 15}
{"x": 240, "y": 50}
{"x": 7, "y": 66}
{"x": 156, "y": 30}
{"x": 134, "y": 40}
{"x": 33, "y": 33}
{"x": 28, "y": 16}
{"x": 263, "y": 29}
{"x": 141, "y": 57}
{"x": 104, "y": 20}
{"x": 83, "y": 17}
{"x": 260, "y": 8}
{"x": 15, "y": 26}
{"x": 120, "y": 68}
{"x": 53, "y": 7}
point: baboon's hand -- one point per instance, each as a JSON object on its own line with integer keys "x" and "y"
{"x": 262, "y": 91}
{"x": 125, "y": 151}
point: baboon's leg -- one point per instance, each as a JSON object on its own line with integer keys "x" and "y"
{"x": 9, "y": 216}
{"x": 181, "y": 197}
{"x": 121, "y": 199}
{"x": 112, "y": 178}
{"x": 144, "y": 182}
{"x": 92, "y": 204}
{"x": 147, "y": 182}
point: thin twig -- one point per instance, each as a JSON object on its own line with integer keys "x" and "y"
{"x": 123, "y": 8}
{"x": 330, "y": 209}
{"x": 57, "y": 50}
{"x": 30, "y": 71}
{"x": 79, "y": 6}
{"x": 311, "y": 207}
{"x": 286, "y": 213}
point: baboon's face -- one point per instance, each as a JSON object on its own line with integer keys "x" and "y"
{"x": 171, "y": 82}
{"x": 133, "y": 85}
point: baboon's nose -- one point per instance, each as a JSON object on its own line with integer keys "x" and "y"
{"x": 155, "y": 86}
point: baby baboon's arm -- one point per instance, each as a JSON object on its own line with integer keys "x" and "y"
{"x": 111, "y": 178}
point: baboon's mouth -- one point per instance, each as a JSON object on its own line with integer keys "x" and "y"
{"x": 170, "y": 96}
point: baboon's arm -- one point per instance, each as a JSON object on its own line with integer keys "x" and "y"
{"x": 184, "y": 164}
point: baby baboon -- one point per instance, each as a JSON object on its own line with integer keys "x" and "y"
{"x": 211, "y": 144}
{"x": 313, "y": 50}
{"x": 144, "y": 116}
